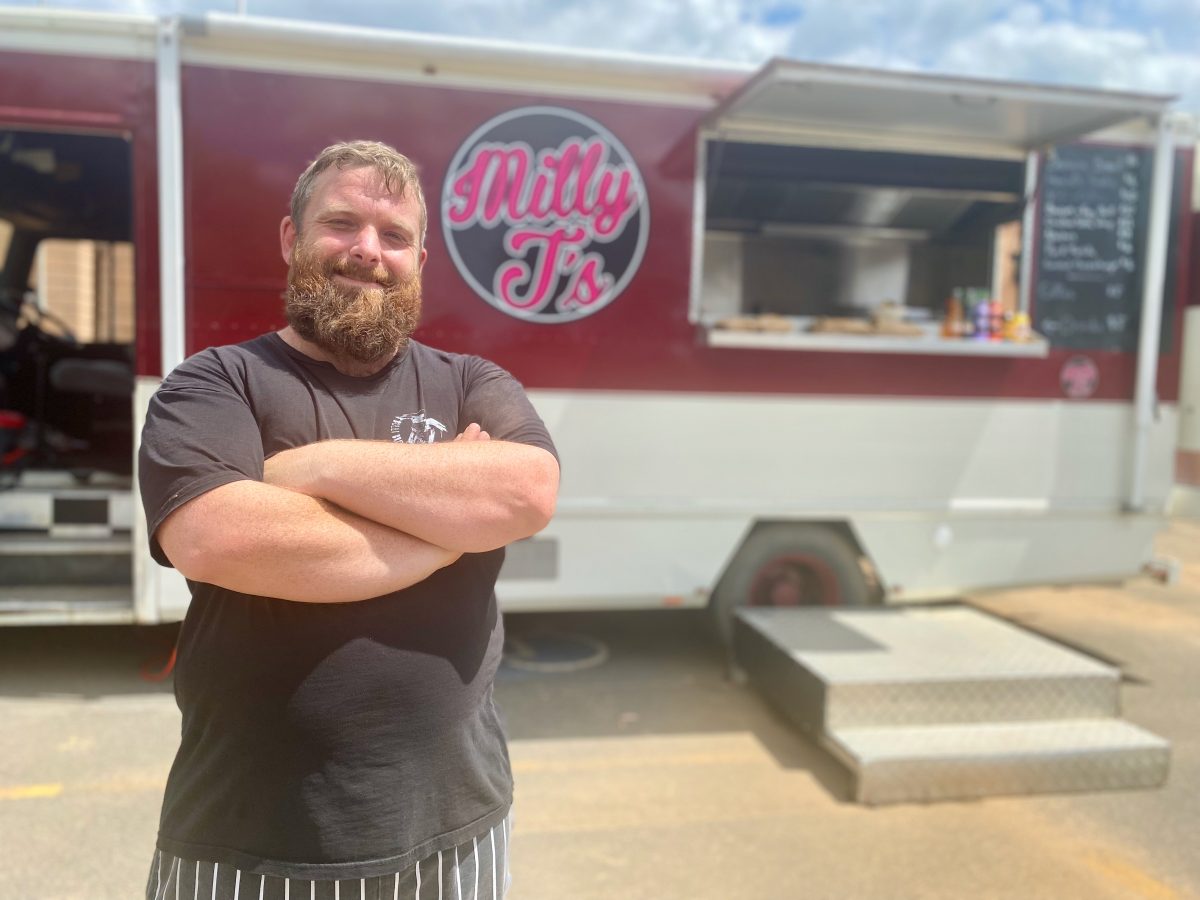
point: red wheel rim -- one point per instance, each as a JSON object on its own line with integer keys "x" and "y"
{"x": 797, "y": 579}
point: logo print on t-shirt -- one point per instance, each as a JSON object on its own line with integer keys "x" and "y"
{"x": 416, "y": 428}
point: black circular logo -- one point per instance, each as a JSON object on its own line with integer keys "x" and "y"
{"x": 545, "y": 214}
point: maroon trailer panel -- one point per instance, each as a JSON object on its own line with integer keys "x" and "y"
{"x": 241, "y": 164}
{"x": 240, "y": 172}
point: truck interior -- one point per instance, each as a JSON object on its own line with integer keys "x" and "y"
{"x": 811, "y": 232}
{"x": 66, "y": 305}
{"x": 858, "y": 210}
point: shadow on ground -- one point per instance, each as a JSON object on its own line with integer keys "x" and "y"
{"x": 645, "y": 672}
{"x": 89, "y": 661}
{"x": 565, "y": 675}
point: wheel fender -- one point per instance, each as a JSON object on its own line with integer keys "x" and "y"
{"x": 792, "y": 564}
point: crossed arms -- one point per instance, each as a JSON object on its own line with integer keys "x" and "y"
{"x": 338, "y": 521}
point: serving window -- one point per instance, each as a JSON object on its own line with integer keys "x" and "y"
{"x": 818, "y": 248}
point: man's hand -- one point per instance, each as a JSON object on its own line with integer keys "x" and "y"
{"x": 473, "y": 432}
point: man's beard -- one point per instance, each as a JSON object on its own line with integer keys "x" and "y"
{"x": 350, "y": 323}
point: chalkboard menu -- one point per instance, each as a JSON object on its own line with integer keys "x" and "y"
{"x": 1093, "y": 211}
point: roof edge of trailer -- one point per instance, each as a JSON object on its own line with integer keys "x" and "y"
{"x": 69, "y": 32}
{"x": 275, "y": 44}
{"x": 220, "y": 25}
{"x": 76, "y": 20}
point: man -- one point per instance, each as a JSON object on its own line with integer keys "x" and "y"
{"x": 335, "y": 668}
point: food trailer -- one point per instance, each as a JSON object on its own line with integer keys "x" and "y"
{"x": 803, "y": 334}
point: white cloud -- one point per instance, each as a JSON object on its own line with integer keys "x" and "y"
{"x": 1026, "y": 15}
{"x": 695, "y": 28}
{"x": 1063, "y": 52}
{"x": 835, "y": 29}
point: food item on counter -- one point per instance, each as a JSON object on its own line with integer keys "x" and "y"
{"x": 899, "y": 329}
{"x": 996, "y": 322}
{"x": 981, "y": 315}
{"x": 887, "y": 314}
{"x": 953, "y": 325}
{"x": 1018, "y": 328}
{"x": 765, "y": 322}
{"x": 841, "y": 325}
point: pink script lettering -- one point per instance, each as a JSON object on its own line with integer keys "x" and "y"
{"x": 557, "y": 251}
{"x": 505, "y": 183}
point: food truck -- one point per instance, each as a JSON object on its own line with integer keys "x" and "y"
{"x": 803, "y": 334}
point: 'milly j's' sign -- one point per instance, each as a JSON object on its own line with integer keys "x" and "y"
{"x": 545, "y": 214}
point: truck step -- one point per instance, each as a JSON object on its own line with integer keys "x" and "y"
{"x": 61, "y": 604}
{"x": 945, "y": 702}
{"x": 40, "y": 545}
{"x": 949, "y": 762}
{"x": 942, "y": 665}
{"x": 81, "y": 562}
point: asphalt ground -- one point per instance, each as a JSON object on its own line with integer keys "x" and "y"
{"x": 643, "y": 771}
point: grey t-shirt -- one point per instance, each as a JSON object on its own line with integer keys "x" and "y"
{"x": 330, "y": 740}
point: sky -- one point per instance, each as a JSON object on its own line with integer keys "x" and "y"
{"x": 1141, "y": 45}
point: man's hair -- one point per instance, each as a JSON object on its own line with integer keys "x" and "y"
{"x": 398, "y": 172}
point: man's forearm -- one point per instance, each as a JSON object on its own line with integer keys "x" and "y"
{"x": 468, "y": 496}
{"x": 260, "y": 539}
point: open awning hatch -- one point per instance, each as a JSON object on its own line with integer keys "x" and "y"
{"x": 788, "y": 101}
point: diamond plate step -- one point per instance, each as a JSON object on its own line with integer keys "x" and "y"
{"x": 951, "y": 762}
{"x": 876, "y": 667}
{"x": 946, "y": 702}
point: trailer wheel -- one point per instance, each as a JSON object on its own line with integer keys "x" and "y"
{"x": 789, "y": 565}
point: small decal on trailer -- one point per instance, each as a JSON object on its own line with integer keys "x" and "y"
{"x": 545, "y": 214}
{"x": 1079, "y": 377}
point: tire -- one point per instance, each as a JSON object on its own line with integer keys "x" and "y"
{"x": 789, "y": 565}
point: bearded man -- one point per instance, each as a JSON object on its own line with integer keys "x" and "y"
{"x": 338, "y": 497}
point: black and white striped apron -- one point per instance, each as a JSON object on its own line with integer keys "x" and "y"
{"x": 474, "y": 870}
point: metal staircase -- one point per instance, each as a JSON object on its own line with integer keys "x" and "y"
{"x": 946, "y": 702}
